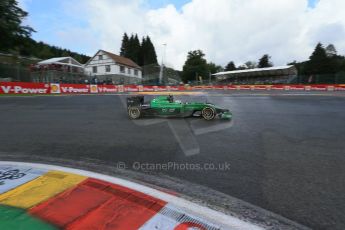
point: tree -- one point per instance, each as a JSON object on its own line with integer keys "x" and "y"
{"x": 133, "y": 48}
{"x": 242, "y": 67}
{"x": 124, "y": 45}
{"x": 318, "y": 61}
{"x": 213, "y": 68}
{"x": 250, "y": 65}
{"x": 46, "y": 53}
{"x": 331, "y": 51}
{"x": 264, "y": 61}
{"x": 147, "y": 52}
{"x": 136, "y": 49}
{"x": 128, "y": 51}
{"x": 143, "y": 53}
{"x": 151, "y": 53}
{"x": 195, "y": 66}
{"x": 319, "y": 53}
{"x": 230, "y": 66}
{"x": 11, "y": 28}
{"x": 15, "y": 37}
{"x": 324, "y": 66}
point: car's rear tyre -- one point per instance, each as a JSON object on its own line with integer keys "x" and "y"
{"x": 134, "y": 112}
{"x": 208, "y": 113}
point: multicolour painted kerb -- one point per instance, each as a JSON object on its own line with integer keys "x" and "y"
{"x": 32, "y": 198}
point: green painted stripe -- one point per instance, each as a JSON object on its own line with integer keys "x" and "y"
{"x": 16, "y": 218}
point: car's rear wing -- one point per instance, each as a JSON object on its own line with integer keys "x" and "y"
{"x": 135, "y": 101}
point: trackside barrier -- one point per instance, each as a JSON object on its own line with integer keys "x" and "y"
{"x": 56, "y": 88}
{"x": 24, "y": 88}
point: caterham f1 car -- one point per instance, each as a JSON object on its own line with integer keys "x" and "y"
{"x": 166, "y": 106}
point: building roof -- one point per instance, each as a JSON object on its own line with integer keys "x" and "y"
{"x": 277, "y": 70}
{"x": 69, "y": 61}
{"x": 118, "y": 59}
{"x": 122, "y": 60}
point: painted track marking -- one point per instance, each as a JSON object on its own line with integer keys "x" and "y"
{"x": 209, "y": 215}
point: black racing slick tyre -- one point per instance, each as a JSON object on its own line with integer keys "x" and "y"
{"x": 134, "y": 112}
{"x": 208, "y": 113}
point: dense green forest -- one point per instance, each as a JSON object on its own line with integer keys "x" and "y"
{"x": 29, "y": 47}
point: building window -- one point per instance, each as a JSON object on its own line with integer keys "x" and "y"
{"x": 94, "y": 69}
{"x": 107, "y": 68}
{"x": 136, "y": 72}
{"x": 122, "y": 69}
{"x": 100, "y": 57}
{"x": 129, "y": 71}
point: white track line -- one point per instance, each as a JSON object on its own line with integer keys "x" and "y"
{"x": 226, "y": 221}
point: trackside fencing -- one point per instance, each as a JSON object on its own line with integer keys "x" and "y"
{"x": 56, "y": 88}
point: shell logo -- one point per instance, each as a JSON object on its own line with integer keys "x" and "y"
{"x": 120, "y": 88}
{"x": 54, "y": 88}
{"x": 93, "y": 89}
{"x": 330, "y": 88}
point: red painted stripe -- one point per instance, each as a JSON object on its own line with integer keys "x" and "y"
{"x": 189, "y": 225}
{"x": 95, "y": 204}
{"x": 70, "y": 205}
{"x": 118, "y": 213}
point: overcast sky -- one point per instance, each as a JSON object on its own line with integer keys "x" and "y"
{"x": 238, "y": 30}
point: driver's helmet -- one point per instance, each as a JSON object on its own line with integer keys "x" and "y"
{"x": 171, "y": 98}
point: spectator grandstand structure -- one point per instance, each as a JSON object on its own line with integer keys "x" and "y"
{"x": 58, "y": 69}
{"x": 271, "y": 75}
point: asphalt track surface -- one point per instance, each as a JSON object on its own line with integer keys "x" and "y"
{"x": 285, "y": 152}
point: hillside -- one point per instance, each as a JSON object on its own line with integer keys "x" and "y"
{"x": 31, "y": 48}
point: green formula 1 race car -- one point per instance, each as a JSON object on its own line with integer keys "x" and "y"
{"x": 166, "y": 106}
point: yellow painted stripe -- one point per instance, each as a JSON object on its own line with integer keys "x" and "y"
{"x": 42, "y": 188}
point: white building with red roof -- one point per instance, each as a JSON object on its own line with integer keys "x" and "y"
{"x": 105, "y": 64}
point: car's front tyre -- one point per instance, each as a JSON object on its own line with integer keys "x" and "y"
{"x": 208, "y": 113}
{"x": 134, "y": 112}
